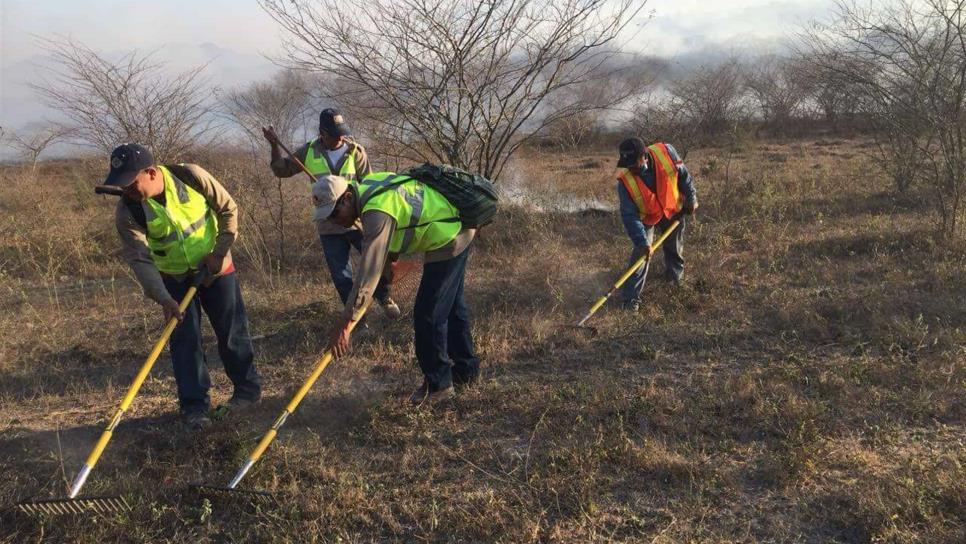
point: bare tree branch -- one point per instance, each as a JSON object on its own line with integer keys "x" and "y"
{"x": 456, "y": 81}
{"x": 131, "y": 99}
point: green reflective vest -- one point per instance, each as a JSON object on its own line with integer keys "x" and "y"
{"x": 425, "y": 220}
{"x": 318, "y": 164}
{"x": 181, "y": 232}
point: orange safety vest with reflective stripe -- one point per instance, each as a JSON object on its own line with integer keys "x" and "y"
{"x": 667, "y": 200}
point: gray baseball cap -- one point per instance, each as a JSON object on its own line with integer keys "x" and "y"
{"x": 325, "y": 192}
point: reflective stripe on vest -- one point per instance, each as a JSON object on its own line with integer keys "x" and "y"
{"x": 424, "y": 218}
{"x": 183, "y": 231}
{"x": 318, "y": 163}
{"x": 666, "y": 202}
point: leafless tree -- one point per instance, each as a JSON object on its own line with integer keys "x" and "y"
{"x": 711, "y": 97}
{"x": 826, "y": 94}
{"x": 657, "y": 117}
{"x": 697, "y": 107}
{"x": 286, "y": 103}
{"x": 30, "y": 144}
{"x": 778, "y": 90}
{"x": 460, "y": 81}
{"x": 132, "y": 99}
{"x": 908, "y": 61}
{"x": 601, "y": 96}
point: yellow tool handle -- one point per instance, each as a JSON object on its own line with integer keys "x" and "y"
{"x": 650, "y": 253}
{"x": 290, "y": 408}
{"x": 132, "y": 391}
{"x": 630, "y": 271}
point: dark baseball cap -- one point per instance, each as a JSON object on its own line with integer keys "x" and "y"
{"x": 630, "y": 150}
{"x": 332, "y": 123}
{"x": 126, "y": 161}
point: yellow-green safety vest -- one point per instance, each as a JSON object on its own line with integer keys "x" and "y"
{"x": 318, "y": 164}
{"x": 425, "y": 220}
{"x": 181, "y": 232}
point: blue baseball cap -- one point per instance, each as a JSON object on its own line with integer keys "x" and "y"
{"x": 126, "y": 161}
{"x": 333, "y": 123}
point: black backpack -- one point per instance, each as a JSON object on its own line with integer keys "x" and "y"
{"x": 473, "y": 196}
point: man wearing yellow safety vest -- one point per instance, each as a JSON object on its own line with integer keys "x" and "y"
{"x": 332, "y": 153}
{"x": 402, "y": 216}
{"x": 172, "y": 221}
{"x": 653, "y": 186}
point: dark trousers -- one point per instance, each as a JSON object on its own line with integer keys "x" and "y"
{"x": 444, "y": 344}
{"x": 673, "y": 248}
{"x": 336, "y": 249}
{"x": 222, "y": 302}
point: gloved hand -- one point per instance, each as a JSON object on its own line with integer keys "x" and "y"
{"x": 269, "y": 134}
{"x": 171, "y": 309}
{"x": 215, "y": 264}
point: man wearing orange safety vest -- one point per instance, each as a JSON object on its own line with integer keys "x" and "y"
{"x": 653, "y": 187}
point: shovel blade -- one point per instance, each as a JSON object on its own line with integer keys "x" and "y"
{"x": 80, "y": 505}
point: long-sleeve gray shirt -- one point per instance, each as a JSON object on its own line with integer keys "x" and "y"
{"x": 285, "y": 167}
{"x": 377, "y": 229}
{"x": 134, "y": 242}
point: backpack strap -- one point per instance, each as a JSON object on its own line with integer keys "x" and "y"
{"x": 392, "y": 185}
{"x": 179, "y": 171}
{"x": 137, "y": 212}
{"x": 447, "y": 220}
{"x": 182, "y": 172}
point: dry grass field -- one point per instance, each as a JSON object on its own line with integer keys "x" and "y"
{"x": 807, "y": 383}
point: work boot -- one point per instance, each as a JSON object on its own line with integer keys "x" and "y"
{"x": 423, "y": 394}
{"x": 462, "y": 381}
{"x": 234, "y": 405}
{"x": 196, "y": 421}
{"x": 390, "y": 308}
{"x": 241, "y": 403}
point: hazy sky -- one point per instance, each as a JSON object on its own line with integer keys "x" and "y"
{"x": 236, "y": 35}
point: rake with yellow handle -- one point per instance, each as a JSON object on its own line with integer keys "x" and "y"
{"x": 272, "y": 432}
{"x": 74, "y": 505}
{"x": 643, "y": 261}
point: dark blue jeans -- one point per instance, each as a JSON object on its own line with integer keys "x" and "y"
{"x": 336, "y": 249}
{"x": 222, "y": 302}
{"x": 673, "y": 249}
{"x": 444, "y": 343}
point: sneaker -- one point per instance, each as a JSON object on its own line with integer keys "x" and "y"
{"x": 197, "y": 421}
{"x": 631, "y": 306}
{"x": 423, "y": 394}
{"x": 390, "y": 308}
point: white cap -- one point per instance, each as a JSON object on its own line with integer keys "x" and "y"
{"x": 325, "y": 192}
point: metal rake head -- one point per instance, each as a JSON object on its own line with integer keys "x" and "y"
{"x": 82, "y": 505}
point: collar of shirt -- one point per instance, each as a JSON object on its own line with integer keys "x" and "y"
{"x": 335, "y": 155}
